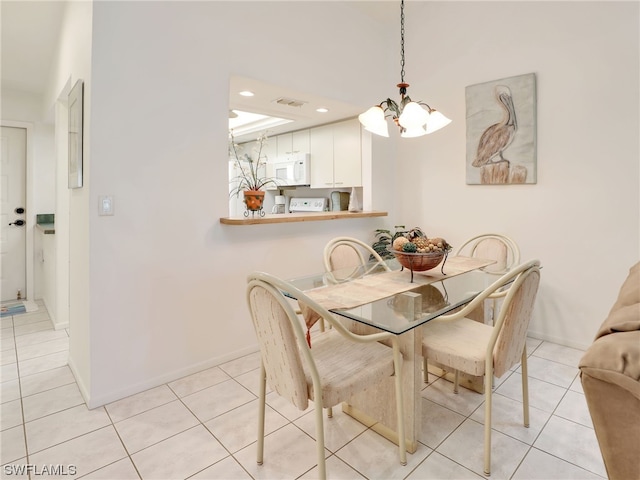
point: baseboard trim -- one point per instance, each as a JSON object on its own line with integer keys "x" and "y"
{"x": 83, "y": 389}
{"x": 94, "y": 401}
{"x": 558, "y": 340}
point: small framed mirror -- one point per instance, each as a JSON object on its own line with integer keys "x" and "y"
{"x": 75, "y": 135}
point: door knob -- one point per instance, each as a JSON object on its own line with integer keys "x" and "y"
{"x": 19, "y": 223}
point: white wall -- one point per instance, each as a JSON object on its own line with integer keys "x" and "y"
{"x": 167, "y": 279}
{"x": 581, "y": 219}
{"x": 45, "y": 273}
{"x": 73, "y": 62}
{"x": 44, "y": 189}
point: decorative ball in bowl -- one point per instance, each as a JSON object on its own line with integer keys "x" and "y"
{"x": 419, "y": 253}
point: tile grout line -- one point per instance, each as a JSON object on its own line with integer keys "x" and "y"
{"x": 291, "y": 422}
{"x": 113, "y": 425}
{"x": 530, "y": 446}
{"x": 24, "y": 424}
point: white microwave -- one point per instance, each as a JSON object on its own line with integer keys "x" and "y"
{"x": 290, "y": 171}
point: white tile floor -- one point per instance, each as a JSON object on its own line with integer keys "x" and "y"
{"x": 204, "y": 426}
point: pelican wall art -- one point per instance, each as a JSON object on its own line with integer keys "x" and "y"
{"x": 501, "y": 131}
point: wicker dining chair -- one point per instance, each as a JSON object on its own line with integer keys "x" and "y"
{"x": 477, "y": 349}
{"x": 346, "y": 256}
{"x": 496, "y": 247}
{"x": 339, "y": 364}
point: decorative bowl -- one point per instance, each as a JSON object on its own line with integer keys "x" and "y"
{"x": 419, "y": 262}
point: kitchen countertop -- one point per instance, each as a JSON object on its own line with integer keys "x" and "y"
{"x": 299, "y": 217}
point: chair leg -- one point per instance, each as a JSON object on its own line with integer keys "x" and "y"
{"x": 322, "y": 466}
{"x": 397, "y": 366}
{"x": 525, "y": 387}
{"x": 425, "y": 369}
{"x": 261, "y": 406}
{"x": 488, "y": 381}
{"x": 456, "y": 380}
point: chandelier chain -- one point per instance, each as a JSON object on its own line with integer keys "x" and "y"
{"x": 414, "y": 118}
{"x": 402, "y": 41}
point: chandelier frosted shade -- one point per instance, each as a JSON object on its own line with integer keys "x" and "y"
{"x": 413, "y": 116}
{"x": 436, "y": 121}
{"x": 415, "y": 119}
{"x": 413, "y": 132}
{"x": 373, "y": 120}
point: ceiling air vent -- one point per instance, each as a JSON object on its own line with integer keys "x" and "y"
{"x": 290, "y": 102}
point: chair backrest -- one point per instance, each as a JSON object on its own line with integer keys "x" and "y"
{"x": 272, "y": 315}
{"x": 510, "y": 328}
{"x": 493, "y": 246}
{"x": 344, "y": 257}
{"x": 286, "y": 356}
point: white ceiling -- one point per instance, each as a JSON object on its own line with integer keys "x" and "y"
{"x": 265, "y": 102}
{"x": 29, "y": 37}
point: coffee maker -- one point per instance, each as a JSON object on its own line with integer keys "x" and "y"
{"x": 279, "y": 206}
{"x": 339, "y": 201}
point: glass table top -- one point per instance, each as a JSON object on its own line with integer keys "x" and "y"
{"x": 402, "y": 312}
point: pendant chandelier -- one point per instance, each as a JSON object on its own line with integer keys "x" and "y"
{"x": 414, "y": 118}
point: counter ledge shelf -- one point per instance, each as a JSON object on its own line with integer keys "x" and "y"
{"x": 299, "y": 217}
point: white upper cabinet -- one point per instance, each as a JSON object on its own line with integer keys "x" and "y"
{"x": 347, "y": 154}
{"x": 321, "y": 139}
{"x": 300, "y": 142}
{"x": 285, "y": 144}
{"x": 336, "y": 155}
{"x": 295, "y": 142}
{"x": 270, "y": 149}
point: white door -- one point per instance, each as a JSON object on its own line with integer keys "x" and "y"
{"x": 13, "y": 160}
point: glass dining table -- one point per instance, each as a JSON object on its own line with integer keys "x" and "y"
{"x": 370, "y": 300}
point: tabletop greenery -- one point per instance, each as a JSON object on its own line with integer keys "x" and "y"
{"x": 384, "y": 240}
{"x": 249, "y": 166}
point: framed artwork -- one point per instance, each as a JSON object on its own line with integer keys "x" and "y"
{"x": 75, "y": 135}
{"x": 501, "y": 131}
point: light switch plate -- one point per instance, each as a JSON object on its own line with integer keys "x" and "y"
{"x": 105, "y": 205}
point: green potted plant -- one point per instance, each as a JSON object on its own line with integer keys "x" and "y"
{"x": 250, "y": 179}
{"x": 384, "y": 240}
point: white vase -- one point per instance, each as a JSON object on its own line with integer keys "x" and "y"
{"x": 354, "y": 205}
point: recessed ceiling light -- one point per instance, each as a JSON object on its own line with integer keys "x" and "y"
{"x": 322, "y": 110}
{"x": 246, "y": 93}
